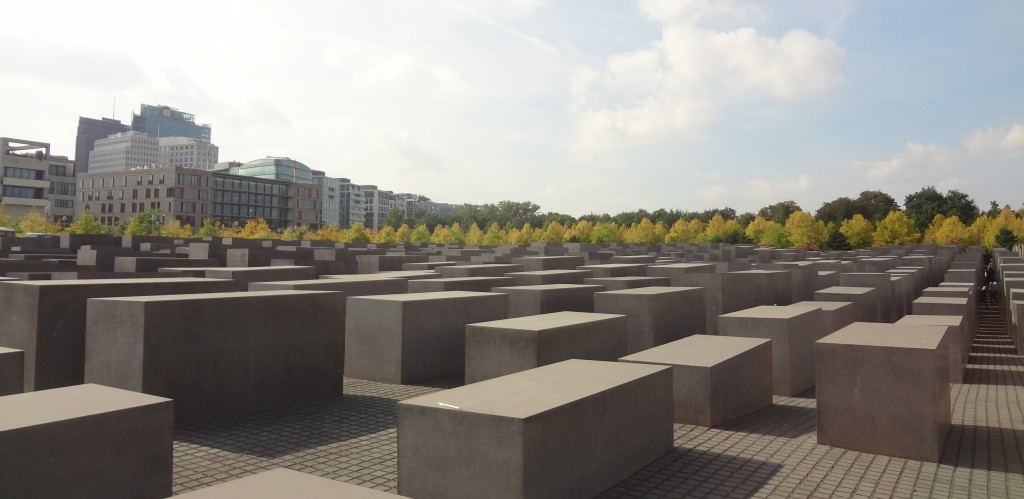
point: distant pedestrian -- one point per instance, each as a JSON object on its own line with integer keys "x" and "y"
{"x": 992, "y": 292}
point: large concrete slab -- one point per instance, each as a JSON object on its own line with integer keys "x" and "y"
{"x": 657, "y": 315}
{"x": 838, "y": 314}
{"x": 480, "y": 284}
{"x": 629, "y": 282}
{"x": 865, "y": 299}
{"x": 957, "y": 335}
{"x": 715, "y": 379}
{"x": 548, "y": 298}
{"x": 351, "y": 287}
{"x": 86, "y": 441}
{"x": 414, "y": 337}
{"x": 46, "y": 319}
{"x": 540, "y": 277}
{"x": 793, "y": 331}
{"x": 12, "y": 371}
{"x": 884, "y": 389}
{"x": 483, "y": 270}
{"x": 245, "y": 352}
{"x": 566, "y": 430}
{"x": 507, "y": 346}
{"x": 243, "y": 276}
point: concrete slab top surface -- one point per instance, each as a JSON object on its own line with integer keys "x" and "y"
{"x": 769, "y": 312}
{"x": 931, "y": 320}
{"x": 887, "y": 335}
{"x": 613, "y": 266}
{"x": 535, "y": 391}
{"x": 650, "y": 290}
{"x": 282, "y": 482}
{"x": 688, "y": 265}
{"x": 407, "y": 273}
{"x": 59, "y": 404}
{"x": 98, "y": 282}
{"x": 253, "y": 269}
{"x": 846, "y": 290}
{"x": 697, "y": 350}
{"x": 217, "y": 296}
{"x": 547, "y": 272}
{"x": 9, "y": 350}
{"x": 547, "y": 287}
{"x": 548, "y": 321}
{"x": 433, "y": 295}
{"x": 824, "y": 305}
{"x": 360, "y": 277}
{"x": 951, "y": 300}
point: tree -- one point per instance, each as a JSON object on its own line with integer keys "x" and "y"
{"x": 257, "y": 229}
{"x": 805, "y": 231}
{"x": 357, "y": 233}
{"x": 420, "y": 235}
{"x": 209, "y": 228}
{"x": 757, "y": 227}
{"x": 961, "y": 206}
{"x": 395, "y": 218}
{"x": 291, "y": 234}
{"x": 858, "y": 231}
{"x": 776, "y": 236}
{"x": 646, "y": 232}
{"x": 922, "y": 206}
{"x": 85, "y": 224}
{"x": 474, "y": 236}
{"x": 554, "y": 232}
{"x": 836, "y": 211}
{"x": 1005, "y": 238}
{"x": 458, "y": 235}
{"x": 779, "y": 212}
{"x": 403, "y": 234}
{"x": 836, "y": 241}
{"x": 144, "y": 224}
{"x": 953, "y": 231}
{"x": 683, "y": 231}
{"x": 720, "y": 230}
{"x": 606, "y": 232}
{"x": 896, "y": 228}
{"x": 174, "y": 229}
{"x": 5, "y": 219}
{"x": 386, "y": 234}
{"x": 580, "y": 233}
{"x": 493, "y": 236}
{"x": 35, "y": 222}
{"x": 874, "y": 205}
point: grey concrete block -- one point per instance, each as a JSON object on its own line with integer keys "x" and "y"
{"x": 884, "y": 289}
{"x": 12, "y": 371}
{"x": 617, "y": 269}
{"x": 838, "y": 314}
{"x": 414, "y": 337}
{"x": 544, "y": 299}
{"x": 536, "y": 263}
{"x": 479, "y": 284}
{"x": 884, "y": 389}
{"x": 507, "y": 346}
{"x": 245, "y": 352}
{"x": 630, "y": 282}
{"x": 483, "y": 270}
{"x": 533, "y": 434}
{"x": 864, "y": 299}
{"x": 540, "y": 277}
{"x": 86, "y": 441}
{"x": 284, "y": 483}
{"x": 715, "y": 379}
{"x": 154, "y": 263}
{"x": 957, "y": 335}
{"x": 351, "y": 287}
{"x": 793, "y": 331}
{"x": 46, "y": 319}
{"x": 657, "y": 315}
{"x": 243, "y": 276}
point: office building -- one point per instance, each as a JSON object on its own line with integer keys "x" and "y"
{"x": 89, "y": 131}
{"x": 378, "y": 203}
{"x": 186, "y": 152}
{"x": 165, "y": 121}
{"x": 133, "y": 150}
{"x": 34, "y": 180}
{"x": 341, "y": 200}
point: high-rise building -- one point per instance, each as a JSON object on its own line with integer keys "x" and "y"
{"x": 165, "y": 121}
{"x": 89, "y": 131}
{"x": 133, "y": 150}
{"x": 33, "y": 180}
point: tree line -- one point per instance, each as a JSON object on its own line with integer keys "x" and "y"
{"x": 872, "y": 219}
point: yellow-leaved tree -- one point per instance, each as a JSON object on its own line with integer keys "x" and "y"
{"x": 757, "y": 228}
{"x": 36, "y": 222}
{"x": 683, "y": 231}
{"x": 896, "y": 228}
{"x": 805, "y": 231}
{"x": 84, "y": 223}
{"x": 387, "y": 234}
{"x": 475, "y": 236}
{"x": 858, "y": 231}
{"x": 257, "y": 229}
{"x": 174, "y": 229}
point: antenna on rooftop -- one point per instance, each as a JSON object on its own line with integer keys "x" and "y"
{"x": 113, "y": 112}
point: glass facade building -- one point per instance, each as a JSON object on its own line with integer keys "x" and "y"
{"x": 286, "y": 169}
{"x": 165, "y": 121}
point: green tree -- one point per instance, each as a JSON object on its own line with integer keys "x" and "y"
{"x": 6, "y": 220}
{"x": 776, "y": 236}
{"x": 494, "y": 236}
{"x": 420, "y": 235}
{"x": 606, "y": 232}
{"x": 85, "y": 223}
{"x": 858, "y": 231}
{"x": 209, "y": 228}
{"x": 874, "y": 205}
{"x": 144, "y": 224}
{"x": 896, "y": 228}
{"x": 395, "y": 218}
{"x": 836, "y": 241}
{"x": 779, "y": 212}
{"x": 1005, "y": 238}
{"x": 836, "y": 211}
{"x": 357, "y": 233}
{"x": 386, "y": 234}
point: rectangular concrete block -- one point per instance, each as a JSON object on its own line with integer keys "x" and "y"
{"x": 957, "y": 336}
{"x": 715, "y": 379}
{"x": 548, "y": 298}
{"x": 483, "y": 270}
{"x": 863, "y": 298}
{"x": 536, "y": 263}
{"x": 793, "y": 331}
{"x": 884, "y": 289}
{"x": 617, "y": 269}
{"x": 243, "y": 276}
{"x": 414, "y": 337}
{"x": 46, "y": 319}
{"x": 12, "y": 371}
{"x": 479, "y": 284}
{"x": 86, "y": 441}
{"x": 281, "y": 483}
{"x": 245, "y": 352}
{"x": 351, "y": 287}
{"x": 567, "y": 430}
{"x": 838, "y": 314}
{"x": 657, "y": 315}
{"x": 507, "y": 346}
{"x": 540, "y": 277}
{"x": 629, "y": 282}
{"x": 884, "y": 389}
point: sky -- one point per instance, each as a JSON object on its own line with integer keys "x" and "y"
{"x": 580, "y": 106}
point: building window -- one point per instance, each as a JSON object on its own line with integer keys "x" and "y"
{"x": 15, "y": 191}
{"x": 59, "y": 170}
{"x": 25, "y": 173}
{"x": 63, "y": 203}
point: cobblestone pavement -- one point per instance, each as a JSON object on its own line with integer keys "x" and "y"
{"x": 771, "y": 453}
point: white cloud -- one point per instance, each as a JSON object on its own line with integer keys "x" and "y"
{"x": 1006, "y": 142}
{"x": 679, "y": 84}
{"x": 916, "y": 161}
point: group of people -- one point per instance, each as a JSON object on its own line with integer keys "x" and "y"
{"x": 990, "y": 286}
